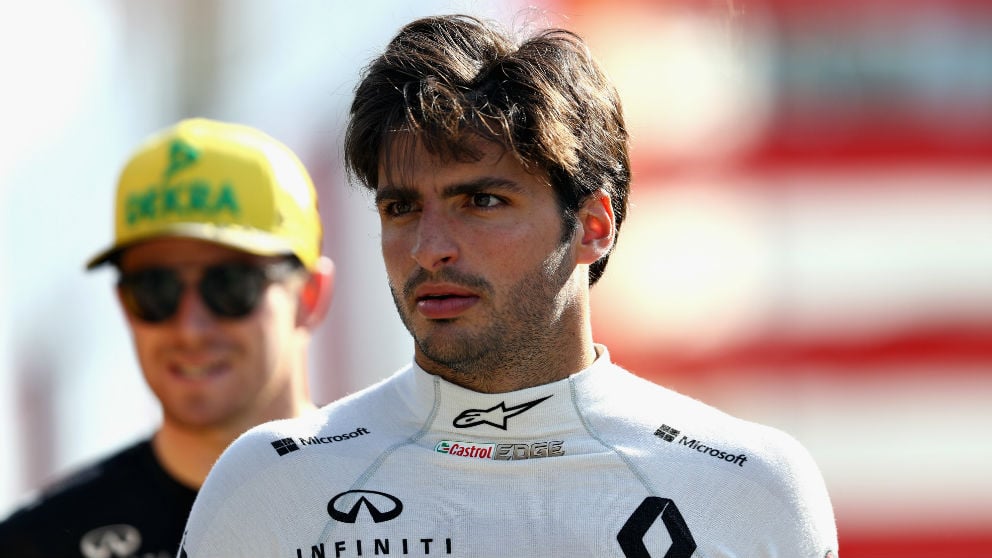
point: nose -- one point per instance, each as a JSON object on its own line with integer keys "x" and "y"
{"x": 435, "y": 245}
{"x": 193, "y": 319}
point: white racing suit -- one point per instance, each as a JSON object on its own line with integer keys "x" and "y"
{"x": 601, "y": 464}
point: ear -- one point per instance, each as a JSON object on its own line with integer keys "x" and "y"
{"x": 596, "y": 225}
{"x": 316, "y": 294}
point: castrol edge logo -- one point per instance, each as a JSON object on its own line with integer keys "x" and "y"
{"x": 465, "y": 449}
{"x": 504, "y": 452}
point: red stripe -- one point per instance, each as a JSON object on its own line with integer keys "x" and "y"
{"x": 960, "y": 347}
{"x": 908, "y": 545}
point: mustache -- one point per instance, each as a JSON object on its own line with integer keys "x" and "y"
{"x": 445, "y": 275}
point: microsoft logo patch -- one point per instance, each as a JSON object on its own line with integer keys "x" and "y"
{"x": 666, "y": 433}
{"x": 285, "y": 446}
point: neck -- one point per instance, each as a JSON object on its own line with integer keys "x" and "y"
{"x": 187, "y": 455}
{"x": 188, "y": 452}
{"x": 536, "y": 358}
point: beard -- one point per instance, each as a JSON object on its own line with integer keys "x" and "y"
{"x": 522, "y": 329}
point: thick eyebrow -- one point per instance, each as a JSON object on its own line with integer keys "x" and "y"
{"x": 481, "y": 184}
{"x": 392, "y": 193}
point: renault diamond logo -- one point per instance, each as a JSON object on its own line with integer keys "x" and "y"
{"x": 381, "y": 506}
{"x": 493, "y": 416}
{"x": 631, "y": 535}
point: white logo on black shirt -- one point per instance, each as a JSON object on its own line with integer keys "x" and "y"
{"x": 110, "y": 541}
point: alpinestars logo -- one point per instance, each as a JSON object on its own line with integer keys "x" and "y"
{"x": 493, "y": 416}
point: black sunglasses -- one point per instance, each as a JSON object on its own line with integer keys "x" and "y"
{"x": 230, "y": 290}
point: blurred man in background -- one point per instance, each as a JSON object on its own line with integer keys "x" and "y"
{"x": 222, "y": 281}
{"x": 500, "y": 171}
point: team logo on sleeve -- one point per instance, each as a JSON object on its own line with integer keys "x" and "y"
{"x": 493, "y": 416}
{"x": 669, "y": 434}
{"x": 288, "y": 445}
{"x": 653, "y": 508}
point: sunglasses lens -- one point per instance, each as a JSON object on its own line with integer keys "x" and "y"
{"x": 151, "y": 294}
{"x": 232, "y": 290}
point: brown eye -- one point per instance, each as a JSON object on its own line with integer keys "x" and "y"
{"x": 485, "y": 200}
{"x": 397, "y": 208}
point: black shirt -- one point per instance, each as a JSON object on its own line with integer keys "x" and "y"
{"x": 125, "y": 506}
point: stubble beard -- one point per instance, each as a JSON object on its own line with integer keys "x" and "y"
{"x": 522, "y": 333}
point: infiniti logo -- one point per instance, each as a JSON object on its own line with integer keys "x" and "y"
{"x": 494, "y": 416}
{"x": 381, "y": 506}
{"x": 110, "y": 541}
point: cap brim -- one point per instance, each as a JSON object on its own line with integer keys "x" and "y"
{"x": 240, "y": 238}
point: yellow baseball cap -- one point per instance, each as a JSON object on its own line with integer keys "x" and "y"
{"x": 221, "y": 182}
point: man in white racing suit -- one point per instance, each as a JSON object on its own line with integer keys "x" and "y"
{"x": 500, "y": 172}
